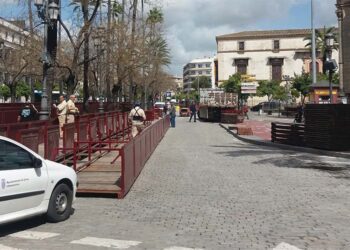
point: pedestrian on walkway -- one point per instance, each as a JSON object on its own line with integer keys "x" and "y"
{"x": 193, "y": 110}
{"x": 61, "y": 113}
{"x": 72, "y": 110}
{"x": 245, "y": 111}
{"x": 137, "y": 116}
{"x": 172, "y": 112}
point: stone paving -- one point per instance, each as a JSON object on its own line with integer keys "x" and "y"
{"x": 204, "y": 189}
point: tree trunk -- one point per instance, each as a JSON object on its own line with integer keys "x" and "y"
{"x": 85, "y": 9}
{"x": 107, "y": 78}
{"x": 133, "y": 30}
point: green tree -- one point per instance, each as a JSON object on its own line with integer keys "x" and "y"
{"x": 202, "y": 81}
{"x": 38, "y": 86}
{"x": 321, "y": 42}
{"x": 5, "y": 91}
{"x": 23, "y": 89}
{"x": 233, "y": 84}
{"x": 301, "y": 84}
{"x": 268, "y": 88}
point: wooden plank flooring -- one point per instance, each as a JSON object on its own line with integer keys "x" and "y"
{"x": 101, "y": 176}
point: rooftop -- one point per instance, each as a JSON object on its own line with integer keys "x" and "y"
{"x": 266, "y": 34}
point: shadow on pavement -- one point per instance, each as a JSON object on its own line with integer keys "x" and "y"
{"x": 21, "y": 225}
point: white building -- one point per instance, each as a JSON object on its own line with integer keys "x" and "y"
{"x": 197, "y": 68}
{"x": 179, "y": 82}
{"x": 12, "y": 36}
{"x": 268, "y": 55}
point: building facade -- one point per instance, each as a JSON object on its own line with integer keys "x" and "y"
{"x": 343, "y": 14}
{"x": 267, "y": 55}
{"x": 12, "y": 37}
{"x": 197, "y": 68}
{"x": 179, "y": 81}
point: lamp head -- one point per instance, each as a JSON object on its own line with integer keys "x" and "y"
{"x": 329, "y": 39}
{"x": 53, "y": 11}
{"x": 39, "y": 3}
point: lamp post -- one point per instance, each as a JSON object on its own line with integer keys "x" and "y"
{"x": 330, "y": 64}
{"x": 48, "y": 12}
{"x": 98, "y": 42}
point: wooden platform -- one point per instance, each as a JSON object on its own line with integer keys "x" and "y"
{"x": 101, "y": 177}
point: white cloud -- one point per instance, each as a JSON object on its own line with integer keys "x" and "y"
{"x": 192, "y": 26}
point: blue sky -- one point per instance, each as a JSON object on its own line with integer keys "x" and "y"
{"x": 191, "y": 26}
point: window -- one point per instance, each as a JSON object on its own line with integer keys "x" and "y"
{"x": 200, "y": 72}
{"x": 241, "y": 64}
{"x": 240, "y": 46}
{"x": 208, "y": 72}
{"x": 14, "y": 157}
{"x": 199, "y": 65}
{"x": 276, "y": 68}
{"x": 207, "y": 65}
{"x": 317, "y": 67}
{"x": 276, "y": 44}
{"x": 242, "y": 69}
{"x": 192, "y": 72}
{"x": 277, "y": 72}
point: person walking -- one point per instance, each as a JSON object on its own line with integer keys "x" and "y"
{"x": 71, "y": 109}
{"x": 137, "y": 116}
{"x": 172, "y": 112}
{"x": 193, "y": 110}
{"x": 61, "y": 113}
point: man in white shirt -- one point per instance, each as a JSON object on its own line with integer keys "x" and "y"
{"x": 71, "y": 109}
{"x": 62, "y": 113}
{"x": 137, "y": 116}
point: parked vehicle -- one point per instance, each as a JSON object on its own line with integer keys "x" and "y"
{"x": 159, "y": 105}
{"x": 266, "y": 106}
{"x": 31, "y": 185}
{"x": 184, "y": 112}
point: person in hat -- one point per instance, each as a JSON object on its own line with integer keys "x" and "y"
{"x": 28, "y": 113}
{"x": 137, "y": 116}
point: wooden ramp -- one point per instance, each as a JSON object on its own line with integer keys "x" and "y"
{"x": 102, "y": 176}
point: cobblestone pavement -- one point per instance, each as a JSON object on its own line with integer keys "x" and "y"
{"x": 203, "y": 189}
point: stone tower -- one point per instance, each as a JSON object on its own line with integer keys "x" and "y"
{"x": 343, "y": 13}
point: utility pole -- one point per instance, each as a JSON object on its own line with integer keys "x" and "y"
{"x": 313, "y": 46}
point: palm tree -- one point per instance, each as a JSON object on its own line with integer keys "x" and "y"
{"x": 321, "y": 45}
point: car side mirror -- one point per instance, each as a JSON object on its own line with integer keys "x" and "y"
{"x": 37, "y": 163}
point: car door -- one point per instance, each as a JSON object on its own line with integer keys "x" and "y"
{"x": 22, "y": 186}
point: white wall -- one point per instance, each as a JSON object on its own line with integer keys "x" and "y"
{"x": 258, "y": 51}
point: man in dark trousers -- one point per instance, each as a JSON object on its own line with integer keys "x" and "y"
{"x": 193, "y": 111}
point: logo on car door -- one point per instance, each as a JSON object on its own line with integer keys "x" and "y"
{"x": 3, "y": 183}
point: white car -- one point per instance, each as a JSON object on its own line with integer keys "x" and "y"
{"x": 31, "y": 185}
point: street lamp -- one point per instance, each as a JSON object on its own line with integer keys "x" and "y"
{"x": 330, "y": 64}
{"x": 48, "y": 12}
{"x": 98, "y": 42}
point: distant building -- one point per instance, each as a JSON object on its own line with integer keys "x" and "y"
{"x": 197, "y": 68}
{"x": 12, "y": 33}
{"x": 179, "y": 82}
{"x": 267, "y": 55}
{"x": 12, "y": 37}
